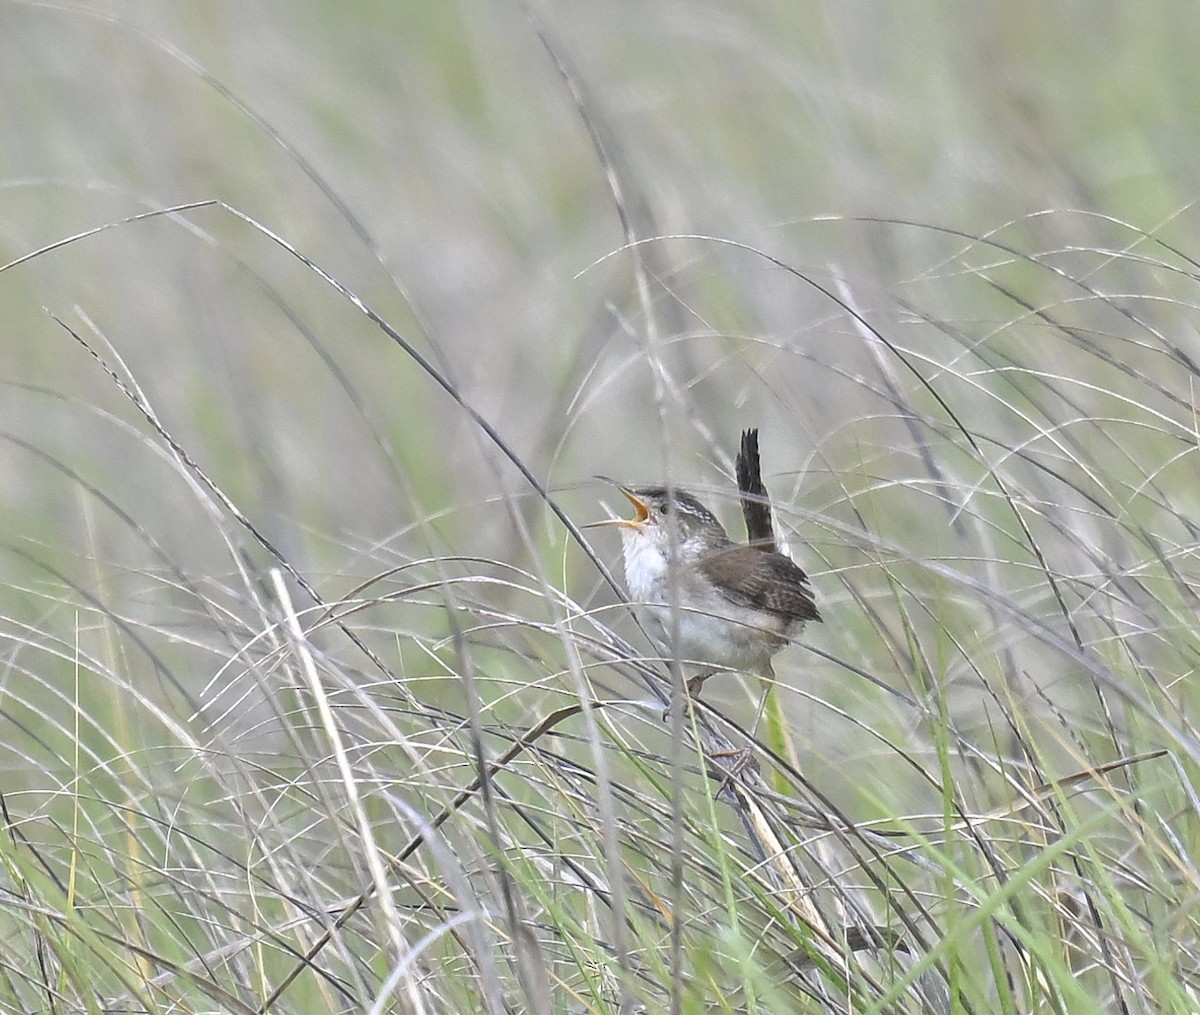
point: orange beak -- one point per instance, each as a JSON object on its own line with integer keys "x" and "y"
{"x": 639, "y": 506}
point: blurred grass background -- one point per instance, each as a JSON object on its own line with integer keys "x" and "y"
{"x": 994, "y": 491}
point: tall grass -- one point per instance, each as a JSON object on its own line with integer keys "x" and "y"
{"x": 315, "y": 697}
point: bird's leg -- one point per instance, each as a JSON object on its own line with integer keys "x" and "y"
{"x": 776, "y": 734}
{"x": 743, "y": 757}
{"x": 766, "y": 683}
{"x": 695, "y": 684}
{"x": 692, "y": 688}
{"x": 776, "y": 738}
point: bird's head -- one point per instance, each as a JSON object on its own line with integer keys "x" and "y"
{"x": 661, "y": 514}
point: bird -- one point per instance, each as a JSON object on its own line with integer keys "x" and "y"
{"x": 721, "y": 605}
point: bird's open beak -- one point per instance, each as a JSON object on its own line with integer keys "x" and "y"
{"x": 639, "y": 506}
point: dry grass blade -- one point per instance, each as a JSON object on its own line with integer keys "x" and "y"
{"x": 313, "y": 696}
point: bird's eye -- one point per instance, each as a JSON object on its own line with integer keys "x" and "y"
{"x": 664, "y": 508}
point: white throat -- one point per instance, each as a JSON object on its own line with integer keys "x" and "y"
{"x": 645, "y": 568}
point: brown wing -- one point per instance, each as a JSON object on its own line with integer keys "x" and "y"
{"x": 748, "y": 576}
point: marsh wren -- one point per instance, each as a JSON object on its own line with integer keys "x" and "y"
{"x": 737, "y": 604}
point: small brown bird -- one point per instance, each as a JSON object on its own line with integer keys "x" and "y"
{"x": 737, "y": 604}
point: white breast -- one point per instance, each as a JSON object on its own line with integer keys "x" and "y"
{"x": 712, "y": 631}
{"x": 645, "y": 569}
